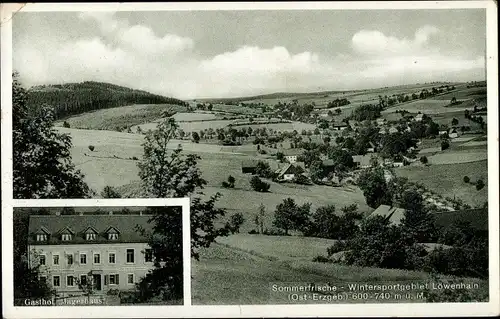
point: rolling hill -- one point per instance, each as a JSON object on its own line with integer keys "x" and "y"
{"x": 75, "y": 98}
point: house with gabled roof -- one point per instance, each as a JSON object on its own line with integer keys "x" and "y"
{"x": 107, "y": 250}
{"x": 289, "y": 171}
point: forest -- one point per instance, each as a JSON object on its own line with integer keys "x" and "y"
{"x": 75, "y": 98}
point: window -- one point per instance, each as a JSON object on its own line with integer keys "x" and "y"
{"x": 130, "y": 256}
{"x": 43, "y": 279}
{"x": 41, "y": 237}
{"x": 97, "y": 258}
{"x": 83, "y": 280}
{"x": 112, "y": 258}
{"x": 42, "y": 260}
{"x": 130, "y": 279}
{"x": 55, "y": 259}
{"x": 114, "y": 279}
{"x": 112, "y": 236}
{"x": 70, "y": 259}
{"x": 83, "y": 259}
{"x": 56, "y": 281}
{"x": 70, "y": 281}
{"x": 90, "y": 236}
{"x": 148, "y": 255}
{"x": 65, "y": 237}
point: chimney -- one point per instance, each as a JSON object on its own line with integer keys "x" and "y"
{"x": 110, "y": 212}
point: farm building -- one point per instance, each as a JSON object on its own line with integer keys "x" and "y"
{"x": 289, "y": 171}
{"x": 380, "y": 121}
{"x": 364, "y": 161}
{"x": 453, "y": 133}
{"x": 372, "y": 148}
{"x": 420, "y": 117}
{"x": 248, "y": 167}
{"x": 393, "y": 214}
{"x": 292, "y": 154}
{"x": 339, "y": 126}
{"x": 393, "y": 130}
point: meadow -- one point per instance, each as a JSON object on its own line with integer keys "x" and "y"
{"x": 119, "y": 117}
{"x": 447, "y": 179}
{"x": 246, "y": 277}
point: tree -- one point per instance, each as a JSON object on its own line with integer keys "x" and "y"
{"x": 338, "y": 111}
{"x": 259, "y": 185}
{"x": 259, "y": 218}
{"x": 196, "y": 137}
{"x": 42, "y": 164}
{"x": 466, "y": 179}
{"x": 445, "y": 145}
{"x": 453, "y": 100}
{"x": 375, "y": 189}
{"x": 417, "y": 219}
{"x": 110, "y": 192}
{"x": 263, "y": 170}
{"x": 424, "y": 160}
{"x": 231, "y": 180}
{"x": 290, "y": 216}
{"x": 235, "y": 222}
{"x": 454, "y": 122}
{"x": 66, "y": 124}
{"x": 87, "y": 285}
{"x": 327, "y": 139}
{"x": 280, "y": 156}
{"x": 479, "y": 184}
{"x": 167, "y": 173}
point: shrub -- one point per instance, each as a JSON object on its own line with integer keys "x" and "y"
{"x": 445, "y": 145}
{"x": 424, "y": 160}
{"x": 225, "y": 184}
{"x": 479, "y": 184}
{"x": 235, "y": 222}
{"x": 253, "y": 232}
{"x": 91, "y": 148}
{"x": 466, "y": 179}
{"x": 66, "y": 124}
{"x": 259, "y": 185}
{"x": 338, "y": 246}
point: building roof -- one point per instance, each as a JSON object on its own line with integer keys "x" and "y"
{"x": 420, "y": 116}
{"x": 53, "y": 225}
{"x": 282, "y": 171}
{"x": 363, "y": 160}
{"x": 393, "y": 214}
{"x": 293, "y": 151}
{"x": 328, "y": 163}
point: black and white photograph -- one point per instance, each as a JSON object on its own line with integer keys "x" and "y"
{"x": 96, "y": 256}
{"x": 332, "y": 154}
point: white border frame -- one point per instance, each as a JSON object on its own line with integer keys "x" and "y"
{"x": 356, "y": 310}
{"x": 87, "y": 311}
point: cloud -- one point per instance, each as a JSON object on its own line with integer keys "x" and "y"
{"x": 372, "y": 42}
{"x": 168, "y": 64}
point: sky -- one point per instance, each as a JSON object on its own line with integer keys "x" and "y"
{"x": 209, "y": 54}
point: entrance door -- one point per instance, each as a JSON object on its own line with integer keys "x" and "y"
{"x": 97, "y": 282}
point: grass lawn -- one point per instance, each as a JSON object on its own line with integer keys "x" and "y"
{"x": 228, "y": 276}
{"x": 447, "y": 179}
{"x": 118, "y": 117}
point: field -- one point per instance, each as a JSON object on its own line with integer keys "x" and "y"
{"x": 233, "y": 276}
{"x": 447, "y": 179}
{"x": 189, "y": 126}
{"x": 111, "y": 163}
{"x": 428, "y": 106}
{"x": 119, "y": 117}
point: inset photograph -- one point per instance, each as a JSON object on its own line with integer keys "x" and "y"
{"x": 96, "y": 256}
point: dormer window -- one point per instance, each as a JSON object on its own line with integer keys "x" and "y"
{"x": 41, "y": 237}
{"x": 112, "y": 233}
{"x": 91, "y": 233}
{"x": 66, "y": 234}
{"x": 42, "y": 234}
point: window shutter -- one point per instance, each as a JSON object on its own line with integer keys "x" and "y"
{"x": 105, "y": 280}
{"x": 117, "y": 276}
{"x": 76, "y": 260}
